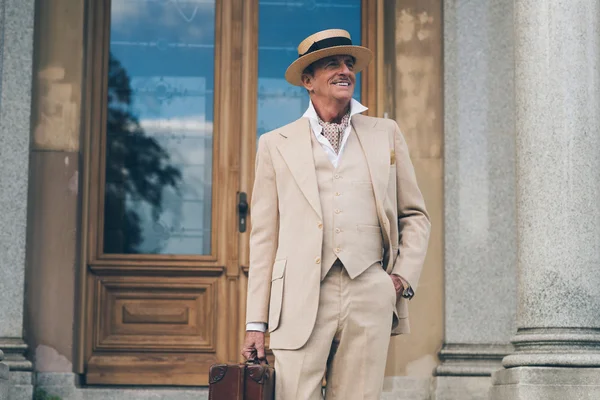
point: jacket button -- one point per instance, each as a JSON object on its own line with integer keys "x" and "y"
{"x": 320, "y": 225}
{"x": 337, "y": 250}
{"x": 318, "y": 260}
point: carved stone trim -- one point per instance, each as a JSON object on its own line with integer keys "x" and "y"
{"x": 555, "y": 347}
{"x": 471, "y": 359}
{"x": 14, "y": 352}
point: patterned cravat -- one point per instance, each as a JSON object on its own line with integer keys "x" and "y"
{"x": 333, "y": 132}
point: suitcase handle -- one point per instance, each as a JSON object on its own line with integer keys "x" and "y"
{"x": 256, "y": 361}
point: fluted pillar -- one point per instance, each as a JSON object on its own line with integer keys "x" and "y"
{"x": 557, "y": 83}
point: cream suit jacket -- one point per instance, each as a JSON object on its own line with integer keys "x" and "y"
{"x": 286, "y": 239}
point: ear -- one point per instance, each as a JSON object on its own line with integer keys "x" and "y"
{"x": 307, "y": 82}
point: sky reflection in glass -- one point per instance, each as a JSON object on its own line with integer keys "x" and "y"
{"x": 282, "y": 26}
{"x": 158, "y": 197}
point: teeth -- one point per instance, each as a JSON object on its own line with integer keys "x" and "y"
{"x": 342, "y": 83}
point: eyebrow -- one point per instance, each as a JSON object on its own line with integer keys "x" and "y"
{"x": 338, "y": 60}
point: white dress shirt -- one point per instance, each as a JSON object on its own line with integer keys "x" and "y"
{"x": 311, "y": 114}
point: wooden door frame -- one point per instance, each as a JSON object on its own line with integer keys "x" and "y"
{"x": 238, "y": 50}
{"x": 225, "y": 170}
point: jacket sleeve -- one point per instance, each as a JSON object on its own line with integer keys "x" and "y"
{"x": 413, "y": 221}
{"x": 264, "y": 216}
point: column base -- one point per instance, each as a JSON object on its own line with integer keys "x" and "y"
{"x": 548, "y": 383}
{"x": 466, "y": 368}
{"x": 14, "y": 354}
{"x": 4, "y": 378}
{"x": 471, "y": 359}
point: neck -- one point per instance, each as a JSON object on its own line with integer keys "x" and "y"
{"x": 331, "y": 112}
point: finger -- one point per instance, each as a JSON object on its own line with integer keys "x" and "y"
{"x": 248, "y": 354}
{"x": 252, "y": 354}
{"x": 260, "y": 352}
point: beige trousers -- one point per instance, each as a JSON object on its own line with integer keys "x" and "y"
{"x": 351, "y": 338}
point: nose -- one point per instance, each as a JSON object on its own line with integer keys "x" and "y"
{"x": 344, "y": 69}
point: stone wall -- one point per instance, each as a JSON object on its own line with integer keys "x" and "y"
{"x": 413, "y": 54}
{"x": 56, "y": 126}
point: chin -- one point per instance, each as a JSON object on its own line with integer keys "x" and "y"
{"x": 343, "y": 94}
{"x": 344, "y": 97}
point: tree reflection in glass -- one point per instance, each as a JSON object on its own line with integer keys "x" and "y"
{"x": 137, "y": 168}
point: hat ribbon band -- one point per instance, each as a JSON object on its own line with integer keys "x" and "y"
{"x": 326, "y": 43}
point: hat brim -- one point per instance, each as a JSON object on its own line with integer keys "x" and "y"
{"x": 362, "y": 57}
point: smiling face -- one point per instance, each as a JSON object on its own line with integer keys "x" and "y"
{"x": 331, "y": 80}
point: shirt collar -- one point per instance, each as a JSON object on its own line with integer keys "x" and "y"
{"x": 355, "y": 108}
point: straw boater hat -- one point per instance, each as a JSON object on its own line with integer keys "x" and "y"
{"x": 331, "y": 42}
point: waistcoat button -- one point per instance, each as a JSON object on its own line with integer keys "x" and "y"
{"x": 318, "y": 260}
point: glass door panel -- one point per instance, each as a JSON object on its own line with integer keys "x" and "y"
{"x": 159, "y": 138}
{"x": 282, "y": 26}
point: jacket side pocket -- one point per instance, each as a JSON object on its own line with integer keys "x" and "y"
{"x": 277, "y": 280}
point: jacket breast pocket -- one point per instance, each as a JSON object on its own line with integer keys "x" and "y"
{"x": 277, "y": 280}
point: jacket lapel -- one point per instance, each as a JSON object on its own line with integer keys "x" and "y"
{"x": 297, "y": 153}
{"x": 377, "y": 153}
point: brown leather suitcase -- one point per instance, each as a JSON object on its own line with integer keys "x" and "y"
{"x": 241, "y": 382}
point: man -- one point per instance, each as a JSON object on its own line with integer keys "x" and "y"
{"x": 339, "y": 234}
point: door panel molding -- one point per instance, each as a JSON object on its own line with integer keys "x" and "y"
{"x": 156, "y": 314}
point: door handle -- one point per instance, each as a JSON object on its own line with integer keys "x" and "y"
{"x": 242, "y": 210}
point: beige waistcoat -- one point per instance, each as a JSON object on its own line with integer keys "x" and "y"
{"x": 351, "y": 230}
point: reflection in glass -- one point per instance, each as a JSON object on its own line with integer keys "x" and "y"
{"x": 282, "y": 26}
{"x": 158, "y": 194}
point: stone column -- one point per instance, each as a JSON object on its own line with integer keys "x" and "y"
{"x": 16, "y": 54}
{"x": 480, "y": 220}
{"x": 557, "y": 346}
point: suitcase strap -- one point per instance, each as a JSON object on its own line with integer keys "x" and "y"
{"x": 242, "y": 383}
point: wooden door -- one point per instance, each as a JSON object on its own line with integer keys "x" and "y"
{"x": 177, "y": 93}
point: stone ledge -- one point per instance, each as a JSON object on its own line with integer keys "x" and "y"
{"x": 65, "y": 385}
{"x": 529, "y": 383}
{"x": 406, "y": 387}
{"x": 466, "y": 359}
{"x": 4, "y": 379}
{"x": 20, "y": 385}
{"x": 461, "y": 388}
{"x": 3, "y": 368}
